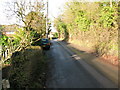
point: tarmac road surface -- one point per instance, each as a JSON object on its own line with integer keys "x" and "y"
{"x": 67, "y": 70}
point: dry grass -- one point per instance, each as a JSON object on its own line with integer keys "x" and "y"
{"x": 89, "y": 48}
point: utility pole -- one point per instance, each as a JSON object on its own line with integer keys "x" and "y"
{"x": 110, "y": 3}
{"x": 47, "y": 21}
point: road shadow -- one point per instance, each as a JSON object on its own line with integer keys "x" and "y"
{"x": 84, "y": 55}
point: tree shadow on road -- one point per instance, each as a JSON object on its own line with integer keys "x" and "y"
{"x": 84, "y": 55}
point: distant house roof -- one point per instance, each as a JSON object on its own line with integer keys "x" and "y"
{"x": 10, "y": 28}
{"x": 9, "y": 31}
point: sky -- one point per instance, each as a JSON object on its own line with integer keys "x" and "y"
{"x": 55, "y": 8}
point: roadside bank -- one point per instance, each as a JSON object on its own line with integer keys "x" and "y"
{"x": 27, "y": 69}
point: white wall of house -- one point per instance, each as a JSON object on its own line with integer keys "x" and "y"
{"x": 10, "y": 32}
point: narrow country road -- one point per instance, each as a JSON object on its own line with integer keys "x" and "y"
{"x": 67, "y": 70}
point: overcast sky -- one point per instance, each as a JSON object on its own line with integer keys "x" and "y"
{"x": 55, "y": 8}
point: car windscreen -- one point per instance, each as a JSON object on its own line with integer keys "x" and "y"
{"x": 45, "y": 41}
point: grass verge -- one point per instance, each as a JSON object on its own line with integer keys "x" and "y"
{"x": 27, "y": 69}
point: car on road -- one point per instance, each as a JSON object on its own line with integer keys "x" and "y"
{"x": 45, "y": 43}
{"x": 55, "y": 38}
